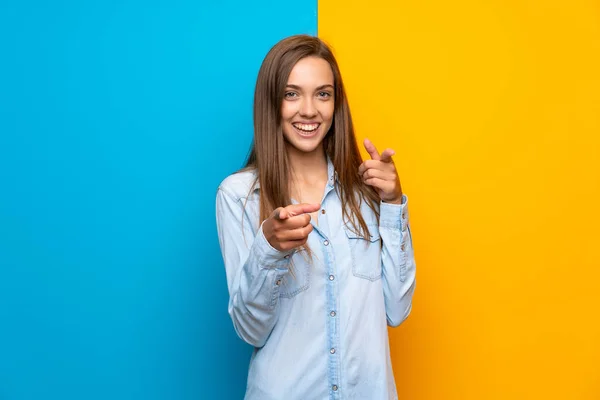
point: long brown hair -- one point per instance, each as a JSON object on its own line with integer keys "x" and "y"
{"x": 268, "y": 155}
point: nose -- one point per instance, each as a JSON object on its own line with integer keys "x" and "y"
{"x": 308, "y": 108}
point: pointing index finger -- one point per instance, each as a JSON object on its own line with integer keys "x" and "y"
{"x": 371, "y": 149}
{"x": 303, "y": 208}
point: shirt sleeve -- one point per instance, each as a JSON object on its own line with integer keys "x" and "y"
{"x": 254, "y": 271}
{"x": 398, "y": 262}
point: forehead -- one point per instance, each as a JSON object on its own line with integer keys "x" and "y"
{"x": 311, "y": 71}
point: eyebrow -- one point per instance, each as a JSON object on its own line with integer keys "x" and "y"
{"x": 318, "y": 88}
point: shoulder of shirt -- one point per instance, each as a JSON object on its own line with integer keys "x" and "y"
{"x": 239, "y": 184}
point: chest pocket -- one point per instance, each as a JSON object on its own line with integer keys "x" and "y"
{"x": 298, "y": 280}
{"x": 366, "y": 254}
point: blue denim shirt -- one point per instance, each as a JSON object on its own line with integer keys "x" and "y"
{"x": 319, "y": 326}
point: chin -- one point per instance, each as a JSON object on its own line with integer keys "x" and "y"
{"x": 302, "y": 143}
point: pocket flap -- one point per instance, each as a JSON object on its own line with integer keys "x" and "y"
{"x": 373, "y": 230}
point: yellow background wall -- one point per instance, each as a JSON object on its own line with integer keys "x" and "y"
{"x": 494, "y": 110}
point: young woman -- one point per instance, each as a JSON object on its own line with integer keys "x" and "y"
{"x": 316, "y": 243}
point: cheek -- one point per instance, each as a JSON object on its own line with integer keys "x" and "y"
{"x": 288, "y": 110}
{"x": 327, "y": 112}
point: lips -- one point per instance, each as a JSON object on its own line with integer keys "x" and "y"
{"x": 306, "y": 129}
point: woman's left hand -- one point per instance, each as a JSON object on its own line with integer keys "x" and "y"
{"x": 380, "y": 172}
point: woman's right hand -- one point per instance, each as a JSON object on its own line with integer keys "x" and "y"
{"x": 288, "y": 227}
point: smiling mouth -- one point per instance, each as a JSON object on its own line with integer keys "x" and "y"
{"x": 306, "y": 129}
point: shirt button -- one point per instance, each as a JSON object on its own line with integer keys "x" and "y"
{"x": 278, "y": 282}
{"x": 402, "y": 247}
{"x": 286, "y": 256}
{"x": 326, "y": 243}
{"x": 332, "y": 351}
{"x": 334, "y": 388}
{"x": 332, "y": 313}
{"x": 323, "y": 211}
{"x": 331, "y": 277}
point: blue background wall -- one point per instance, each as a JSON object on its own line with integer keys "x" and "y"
{"x": 117, "y": 122}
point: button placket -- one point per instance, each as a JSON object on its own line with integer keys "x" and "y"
{"x": 332, "y": 293}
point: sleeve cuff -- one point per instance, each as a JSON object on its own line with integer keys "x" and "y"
{"x": 394, "y": 216}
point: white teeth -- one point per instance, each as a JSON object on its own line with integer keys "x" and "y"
{"x": 307, "y": 127}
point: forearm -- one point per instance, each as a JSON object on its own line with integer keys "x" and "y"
{"x": 398, "y": 263}
{"x": 254, "y": 295}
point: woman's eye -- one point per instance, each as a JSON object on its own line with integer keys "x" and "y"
{"x": 290, "y": 95}
{"x": 324, "y": 94}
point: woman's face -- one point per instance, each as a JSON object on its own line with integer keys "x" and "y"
{"x": 307, "y": 109}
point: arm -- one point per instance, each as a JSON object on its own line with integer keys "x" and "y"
{"x": 254, "y": 270}
{"x": 397, "y": 259}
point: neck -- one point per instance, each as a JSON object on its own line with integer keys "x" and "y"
{"x": 307, "y": 167}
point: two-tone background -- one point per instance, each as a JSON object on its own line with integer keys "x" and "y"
{"x": 118, "y": 119}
